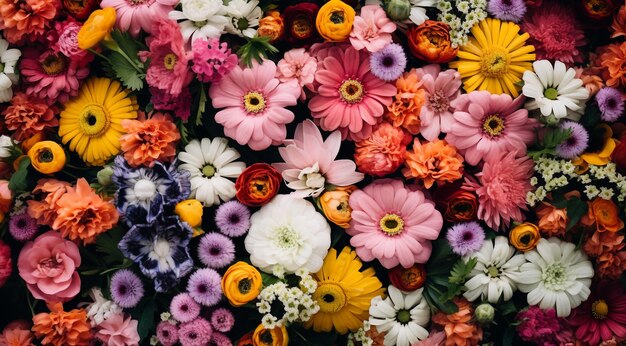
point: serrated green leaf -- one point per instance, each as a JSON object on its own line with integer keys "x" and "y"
{"x": 257, "y": 48}
{"x": 18, "y": 182}
{"x": 556, "y": 136}
{"x": 126, "y": 72}
{"x": 127, "y": 44}
{"x": 461, "y": 270}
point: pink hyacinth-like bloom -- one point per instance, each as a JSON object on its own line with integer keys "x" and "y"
{"x": 212, "y": 60}
{"x": 48, "y": 265}
{"x": 136, "y": 15}
{"x": 117, "y": 330}
{"x": 393, "y": 224}
{"x": 254, "y": 102}
{"x": 310, "y": 162}
{"x": 350, "y": 98}
{"x": 486, "y": 125}
{"x": 502, "y": 188}
{"x": 297, "y": 65}
{"x": 371, "y": 29}
{"x": 441, "y": 88}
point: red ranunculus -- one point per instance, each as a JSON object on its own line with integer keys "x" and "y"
{"x": 619, "y": 155}
{"x": 408, "y": 279}
{"x": 257, "y": 184}
{"x": 300, "y": 24}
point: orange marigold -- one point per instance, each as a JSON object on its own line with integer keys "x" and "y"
{"x": 27, "y": 116}
{"x": 613, "y": 60}
{"x": 459, "y": 328}
{"x": 405, "y": 109}
{"x": 26, "y": 19}
{"x": 611, "y": 265}
{"x": 61, "y": 328}
{"x": 552, "y": 220}
{"x": 383, "y": 151}
{"x": 433, "y": 162}
{"x": 44, "y": 211}
{"x": 149, "y": 140}
{"x": 17, "y": 333}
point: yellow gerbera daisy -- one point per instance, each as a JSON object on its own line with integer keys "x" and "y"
{"x": 343, "y": 293}
{"x": 91, "y": 121}
{"x": 495, "y": 58}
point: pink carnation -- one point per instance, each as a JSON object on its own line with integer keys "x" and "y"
{"x": 371, "y": 29}
{"x": 212, "y": 60}
{"x": 543, "y": 327}
{"x": 117, "y": 330}
{"x": 441, "y": 89}
{"x": 297, "y": 65}
{"x": 67, "y": 42}
{"x": 6, "y": 265}
{"x": 135, "y": 15}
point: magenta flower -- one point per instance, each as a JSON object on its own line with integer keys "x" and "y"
{"x": 371, "y": 29}
{"x": 135, "y": 15}
{"x": 212, "y": 60}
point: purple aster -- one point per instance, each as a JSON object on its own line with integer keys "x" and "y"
{"x": 196, "y": 332}
{"x": 126, "y": 288}
{"x": 216, "y": 250}
{"x": 219, "y": 339}
{"x": 167, "y": 333}
{"x": 576, "y": 143}
{"x": 22, "y": 227}
{"x": 233, "y": 218}
{"x": 509, "y": 10}
{"x": 183, "y": 308}
{"x": 222, "y": 320}
{"x": 388, "y": 63}
{"x": 465, "y": 238}
{"x": 611, "y": 103}
{"x": 205, "y": 286}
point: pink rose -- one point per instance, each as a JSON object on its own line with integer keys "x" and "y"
{"x": 48, "y": 265}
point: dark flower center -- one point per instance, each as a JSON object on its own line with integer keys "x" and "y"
{"x": 234, "y": 218}
{"x": 329, "y": 298}
{"x": 244, "y": 286}
{"x": 214, "y": 251}
{"x": 184, "y": 307}
{"x": 21, "y": 223}
{"x": 468, "y": 236}
{"x": 193, "y": 335}
{"x": 123, "y": 289}
{"x": 202, "y": 288}
{"x": 388, "y": 61}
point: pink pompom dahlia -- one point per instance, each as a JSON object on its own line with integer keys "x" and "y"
{"x": 372, "y": 29}
{"x": 135, "y": 15}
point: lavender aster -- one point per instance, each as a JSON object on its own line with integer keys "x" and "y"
{"x": 233, "y": 218}
{"x": 126, "y": 288}
{"x": 216, "y": 250}
{"x": 222, "y": 320}
{"x": 183, "y": 308}
{"x": 205, "y": 286}
{"x": 388, "y": 63}
{"x": 22, "y": 227}
{"x": 466, "y": 238}
{"x": 509, "y": 10}
{"x": 576, "y": 143}
{"x": 611, "y": 103}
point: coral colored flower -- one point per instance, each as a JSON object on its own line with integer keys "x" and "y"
{"x": 405, "y": 110}
{"x": 383, "y": 152}
{"x": 430, "y": 41}
{"x": 605, "y": 214}
{"x": 45, "y": 210}
{"x": 297, "y": 65}
{"x": 150, "y": 140}
{"x": 613, "y": 60}
{"x": 488, "y": 125}
{"x": 212, "y": 60}
{"x": 257, "y": 184}
{"x": 552, "y": 220}
{"x": 611, "y": 265}
{"x": 335, "y": 205}
{"x": 591, "y": 81}
{"x": 371, "y": 29}
{"x": 48, "y": 265}
{"x": 27, "y": 19}
{"x": 459, "y": 328}
{"x": 6, "y": 265}
{"x": 28, "y": 116}
{"x": 254, "y": 102}
{"x": 349, "y": 97}
{"x": 118, "y": 330}
{"x": 17, "y": 333}
{"x": 393, "y": 224}
{"x": 433, "y": 162}
{"x": 61, "y": 328}
{"x": 137, "y": 15}
{"x": 271, "y": 26}
{"x": 603, "y": 242}
{"x": 619, "y": 23}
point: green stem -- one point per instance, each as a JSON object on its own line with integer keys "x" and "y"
{"x": 31, "y": 306}
{"x": 98, "y": 54}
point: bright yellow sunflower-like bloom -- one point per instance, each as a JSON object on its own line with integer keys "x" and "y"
{"x": 495, "y": 58}
{"x": 91, "y": 121}
{"x": 343, "y": 293}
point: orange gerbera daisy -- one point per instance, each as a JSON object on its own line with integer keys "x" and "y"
{"x": 433, "y": 162}
{"x": 613, "y": 60}
{"x": 60, "y": 328}
{"x": 44, "y": 211}
{"x": 407, "y": 104}
{"x": 460, "y": 330}
{"x": 148, "y": 140}
{"x": 26, "y": 18}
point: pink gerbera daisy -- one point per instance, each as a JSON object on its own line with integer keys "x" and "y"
{"x": 372, "y": 29}
{"x": 310, "y": 162}
{"x": 254, "y": 101}
{"x": 350, "y": 98}
{"x": 488, "y": 124}
{"x": 502, "y": 188}
{"x": 393, "y": 224}
{"x": 135, "y": 15}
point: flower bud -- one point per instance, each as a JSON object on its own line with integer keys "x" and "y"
{"x": 104, "y": 176}
{"x": 398, "y": 10}
{"x": 484, "y": 313}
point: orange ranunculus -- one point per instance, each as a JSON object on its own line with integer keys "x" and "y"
{"x": 456, "y": 204}
{"x": 603, "y": 242}
{"x": 241, "y": 283}
{"x": 605, "y": 214}
{"x": 31, "y": 141}
{"x": 47, "y": 157}
{"x": 270, "y": 337}
{"x": 406, "y": 107}
{"x": 272, "y": 26}
{"x": 96, "y": 28}
{"x": 334, "y": 204}
{"x": 246, "y": 340}
{"x": 334, "y": 20}
{"x": 60, "y": 328}
{"x": 408, "y": 279}
{"x": 598, "y": 10}
{"x": 257, "y": 184}
{"x": 430, "y": 42}
{"x": 459, "y": 326}
{"x": 524, "y": 237}
{"x": 552, "y": 220}
{"x": 433, "y": 162}
{"x": 619, "y": 23}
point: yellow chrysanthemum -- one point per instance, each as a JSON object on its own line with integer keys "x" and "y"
{"x": 343, "y": 293}
{"x": 91, "y": 121}
{"x": 495, "y": 58}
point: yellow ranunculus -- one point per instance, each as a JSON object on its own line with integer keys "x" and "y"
{"x": 47, "y": 157}
{"x": 525, "y": 237}
{"x": 334, "y": 20}
{"x": 334, "y": 204}
{"x": 241, "y": 283}
{"x": 96, "y": 28}
{"x": 190, "y": 211}
{"x": 270, "y": 337}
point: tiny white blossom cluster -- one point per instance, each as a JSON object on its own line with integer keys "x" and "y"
{"x": 360, "y": 336}
{"x": 461, "y": 17}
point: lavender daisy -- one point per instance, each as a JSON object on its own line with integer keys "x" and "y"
{"x": 576, "y": 143}
{"x": 183, "y": 308}
{"x": 196, "y": 332}
{"x": 167, "y": 333}
{"x": 126, "y": 288}
{"x": 611, "y": 103}
{"x": 509, "y": 10}
{"x": 222, "y": 320}
{"x": 388, "y": 63}
{"x": 216, "y": 250}
{"x": 465, "y": 238}
{"x": 22, "y": 227}
{"x": 205, "y": 286}
{"x": 233, "y": 218}
{"x": 219, "y": 339}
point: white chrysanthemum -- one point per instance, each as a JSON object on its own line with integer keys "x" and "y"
{"x": 402, "y": 315}
{"x": 557, "y": 276}
{"x": 496, "y": 273}
{"x": 244, "y": 17}
{"x": 288, "y": 231}
{"x": 555, "y": 90}
{"x": 201, "y": 19}
{"x": 210, "y": 162}
{"x": 8, "y": 77}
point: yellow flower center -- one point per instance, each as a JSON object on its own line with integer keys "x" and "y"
{"x": 351, "y": 91}
{"x": 599, "y": 309}
{"x": 169, "y": 61}
{"x": 330, "y": 297}
{"x": 391, "y": 224}
{"x": 493, "y": 125}
{"x": 94, "y": 120}
{"x": 495, "y": 62}
{"x": 53, "y": 64}
{"x": 301, "y": 26}
{"x": 208, "y": 171}
{"x": 254, "y": 102}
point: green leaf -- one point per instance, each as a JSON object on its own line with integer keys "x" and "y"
{"x": 508, "y": 308}
{"x": 184, "y": 132}
{"x": 201, "y": 105}
{"x": 575, "y": 210}
{"x": 555, "y": 137}
{"x": 268, "y": 279}
{"x": 507, "y": 338}
{"x": 18, "y": 182}
{"x": 257, "y": 48}
{"x": 146, "y": 322}
{"x": 461, "y": 270}
{"x": 125, "y": 71}
{"x": 106, "y": 244}
{"x": 127, "y": 44}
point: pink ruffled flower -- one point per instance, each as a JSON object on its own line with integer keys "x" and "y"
{"x": 441, "y": 88}
{"x": 254, "y": 101}
{"x": 393, "y": 224}
{"x": 487, "y": 125}
{"x": 310, "y": 162}
{"x": 350, "y": 98}
{"x": 435, "y": 338}
{"x": 48, "y": 265}
{"x": 179, "y": 104}
{"x": 6, "y": 266}
{"x": 67, "y": 42}
{"x": 543, "y": 327}
{"x": 135, "y": 15}
{"x": 297, "y": 65}
{"x": 383, "y": 152}
{"x": 117, "y": 331}
{"x": 212, "y": 60}
{"x": 371, "y": 29}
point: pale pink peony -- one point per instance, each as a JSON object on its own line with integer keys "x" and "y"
{"x": 371, "y": 29}
{"x": 393, "y": 224}
{"x": 297, "y": 65}
{"x": 118, "y": 331}
{"x": 48, "y": 265}
{"x": 135, "y": 15}
{"x": 310, "y": 162}
{"x": 442, "y": 88}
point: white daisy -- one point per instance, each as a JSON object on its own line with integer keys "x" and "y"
{"x": 558, "y": 276}
{"x": 201, "y": 19}
{"x": 210, "y": 162}
{"x": 244, "y": 17}
{"x": 418, "y": 12}
{"x": 496, "y": 273}
{"x": 8, "y": 77}
{"x": 402, "y": 315}
{"x": 288, "y": 231}
{"x": 555, "y": 90}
